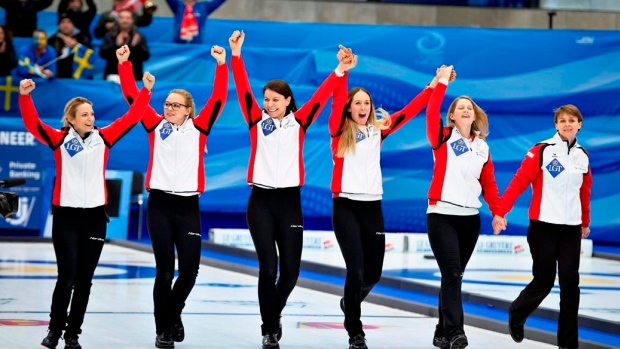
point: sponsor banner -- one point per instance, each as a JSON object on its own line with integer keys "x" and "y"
{"x": 488, "y": 244}
{"x": 313, "y": 239}
{"x": 20, "y": 157}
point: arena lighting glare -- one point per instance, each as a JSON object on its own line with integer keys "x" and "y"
{"x": 9, "y": 201}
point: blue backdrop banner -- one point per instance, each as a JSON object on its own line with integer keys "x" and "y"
{"x": 518, "y": 76}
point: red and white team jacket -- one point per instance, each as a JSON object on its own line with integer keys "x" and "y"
{"x": 81, "y": 163}
{"x": 357, "y": 175}
{"x": 176, "y": 163}
{"x": 561, "y": 181}
{"x": 463, "y": 167}
{"x": 276, "y": 158}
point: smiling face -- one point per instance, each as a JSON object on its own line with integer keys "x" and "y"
{"x": 176, "y": 108}
{"x": 83, "y": 120}
{"x": 360, "y": 107}
{"x": 462, "y": 113}
{"x": 275, "y": 104}
{"x": 567, "y": 125}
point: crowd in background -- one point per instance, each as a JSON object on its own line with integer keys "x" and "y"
{"x": 58, "y": 54}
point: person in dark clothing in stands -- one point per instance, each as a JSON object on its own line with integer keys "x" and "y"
{"x": 21, "y": 15}
{"x": 8, "y": 59}
{"x": 125, "y": 33}
{"x": 65, "y": 41}
{"x": 107, "y": 19}
{"x": 81, "y": 19}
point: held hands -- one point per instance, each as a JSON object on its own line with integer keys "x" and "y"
{"x": 26, "y": 86}
{"x": 219, "y": 53}
{"x": 236, "y": 41}
{"x": 438, "y": 73}
{"x": 499, "y": 224}
{"x": 149, "y": 81}
{"x": 347, "y": 60}
{"x": 446, "y": 72}
{"x": 122, "y": 54}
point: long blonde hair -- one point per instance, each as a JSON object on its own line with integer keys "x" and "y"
{"x": 347, "y": 140}
{"x": 71, "y": 109}
{"x": 480, "y": 126}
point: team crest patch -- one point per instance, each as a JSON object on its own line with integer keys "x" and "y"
{"x": 555, "y": 168}
{"x": 73, "y": 147}
{"x": 268, "y": 126}
{"x": 359, "y": 136}
{"x": 459, "y": 147}
{"x": 165, "y": 130}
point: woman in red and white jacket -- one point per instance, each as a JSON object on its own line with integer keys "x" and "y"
{"x": 357, "y": 135}
{"x": 558, "y": 169}
{"x": 462, "y": 171}
{"x": 276, "y": 175}
{"x": 175, "y": 179}
{"x": 78, "y": 201}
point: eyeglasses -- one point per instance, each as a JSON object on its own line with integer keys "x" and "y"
{"x": 174, "y": 106}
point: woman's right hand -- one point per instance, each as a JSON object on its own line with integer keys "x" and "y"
{"x": 347, "y": 60}
{"x": 236, "y": 41}
{"x": 445, "y": 72}
{"x": 123, "y": 54}
{"x": 149, "y": 81}
{"x": 26, "y": 86}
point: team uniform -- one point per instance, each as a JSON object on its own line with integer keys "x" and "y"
{"x": 357, "y": 189}
{"x": 175, "y": 178}
{"x": 463, "y": 170}
{"x": 560, "y": 176}
{"x": 276, "y": 174}
{"x": 79, "y": 199}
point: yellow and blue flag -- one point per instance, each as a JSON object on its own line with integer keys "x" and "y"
{"x": 83, "y": 62}
{"x": 9, "y": 92}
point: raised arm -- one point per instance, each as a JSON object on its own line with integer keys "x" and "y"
{"x": 308, "y": 112}
{"x": 117, "y": 129}
{"x": 213, "y": 108}
{"x": 337, "y": 117}
{"x": 41, "y": 131}
{"x": 401, "y": 117}
{"x": 434, "y": 124}
{"x": 249, "y": 107}
{"x": 150, "y": 119}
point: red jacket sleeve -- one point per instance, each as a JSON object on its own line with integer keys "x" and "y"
{"x": 525, "y": 175}
{"x": 337, "y": 119}
{"x": 490, "y": 192}
{"x": 117, "y": 129}
{"x": 401, "y": 117}
{"x": 249, "y": 107}
{"x": 311, "y": 109}
{"x": 213, "y": 108}
{"x": 42, "y": 132}
{"x": 151, "y": 118}
{"x": 434, "y": 125}
{"x": 584, "y": 196}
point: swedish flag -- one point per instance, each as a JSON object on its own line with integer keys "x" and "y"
{"x": 83, "y": 62}
{"x": 10, "y": 89}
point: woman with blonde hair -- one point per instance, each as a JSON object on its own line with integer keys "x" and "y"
{"x": 357, "y": 134}
{"x": 175, "y": 179}
{"x": 78, "y": 201}
{"x": 463, "y": 170}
